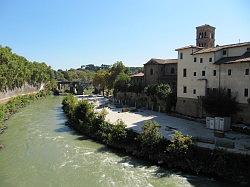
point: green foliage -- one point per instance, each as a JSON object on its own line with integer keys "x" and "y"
{"x": 220, "y": 103}
{"x": 15, "y": 71}
{"x": 100, "y": 80}
{"x": 69, "y": 104}
{"x": 163, "y": 92}
{"x": 116, "y": 69}
{"x": 74, "y": 75}
{"x": 13, "y": 105}
{"x": 122, "y": 82}
{"x": 84, "y": 111}
{"x": 180, "y": 143}
{"x": 150, "y": 136}
{"x": 103, "y": 113}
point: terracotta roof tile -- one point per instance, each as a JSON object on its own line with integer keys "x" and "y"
{"x": 214, "y": 49}
{"x": 138, "y": 75}
{"x": 236, "y": 59}
{"x": 162, "y": 61}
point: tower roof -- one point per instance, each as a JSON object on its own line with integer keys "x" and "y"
{"x": 205, "y": 25}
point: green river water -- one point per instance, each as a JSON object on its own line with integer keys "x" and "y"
{"x": 41, "y": 151}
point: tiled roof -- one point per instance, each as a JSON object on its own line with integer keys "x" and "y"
{"x": 138, "y": 75}
{"x": 229, "y": 60}
{"x": 162, "y": 61}
{"x": 206, "y": 25}
{"x": 189, "y": 46}
{"x": 214, "y": 49}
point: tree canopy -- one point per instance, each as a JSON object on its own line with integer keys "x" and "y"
{"x": 16, "y": 70}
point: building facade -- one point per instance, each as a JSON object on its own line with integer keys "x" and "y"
{"x": 161, "y": 71}
{"x": 204, "y": 67}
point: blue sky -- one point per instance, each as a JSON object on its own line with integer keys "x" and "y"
{"x": 70, "y": 33}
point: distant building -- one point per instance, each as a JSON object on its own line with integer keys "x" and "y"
{"x": 161, "y": 71}
{"x": 204, "y": 67}
{"x": 137, "y": 79}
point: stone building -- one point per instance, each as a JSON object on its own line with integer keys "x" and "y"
{"x": 161, "y": 71}
{"x": 204, "y": 67}
{"x": 137, "y": 79}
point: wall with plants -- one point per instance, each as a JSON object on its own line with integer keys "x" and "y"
{"x": 16, "y": 71}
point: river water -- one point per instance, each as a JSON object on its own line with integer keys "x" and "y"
{"x": 41, "y": 151}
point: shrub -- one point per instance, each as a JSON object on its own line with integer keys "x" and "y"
{"x": 103, "y": 113}
{"x": 69, "y": 103}
{"x": 180, "y": 143}
{"x": 150, "y": 136}
{"x": 118, "y": 131}
{"x": 220, "y": 103}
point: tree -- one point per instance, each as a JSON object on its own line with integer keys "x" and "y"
{"x": 16, "y": 70}
{"x": 100, "y": 80}
{"x": 116, "y": 69}
{"x": 122, "y": 82}
{"x": 220, "y": 103}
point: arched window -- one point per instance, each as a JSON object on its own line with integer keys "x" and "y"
{"x": 151, "y": 71}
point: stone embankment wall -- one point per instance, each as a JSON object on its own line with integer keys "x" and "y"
{"x": 141, "y": 100}
{"x": 24, "y": 90}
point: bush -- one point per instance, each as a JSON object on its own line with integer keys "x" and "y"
{"x": 150, "y": 136}
{"x": 220, "y": 103}
{"x": 13, "y": 105}
{"x": 69, "y": 103}
{"x": 180, "y": 143}
{"x": 103, "y": 113}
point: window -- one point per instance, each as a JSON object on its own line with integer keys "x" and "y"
{"x": 208, "y": 90}
{"x": 229, "y": 92}
{"x": 246, "y": 92}
{"x": 195, "y": 74}
{"x": 205, "y": 34}
{"x": 210, "y": 59}
{"x": 184, "y": 72}
{"x": 151, "y": 71}
{"x": 214, "y": 72}
{"x": 181, "y": 55}
{"x": 224, "y": 52}
{"x": 247, "y": 72}
{"x": 194, "y": 59}
{"x": 201, "y": 60}
{"x": 184, "y": 89}
{"x": 161, "y": 68}
{"x": 172, "y": 71}
{"x": 194, "y": 91}
{"x": 229, "y": 72}
{"x": 203, "y": 73}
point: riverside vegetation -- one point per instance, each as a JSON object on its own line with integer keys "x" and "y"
{"x": 14, "y": 104}
{"x": 179, "y": 153}
{"x": 15, "y": 72}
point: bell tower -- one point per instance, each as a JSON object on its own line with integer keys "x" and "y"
{"x": 205, "y": 36}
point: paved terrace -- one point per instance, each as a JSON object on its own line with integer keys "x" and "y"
{"x": 169, "y": 124}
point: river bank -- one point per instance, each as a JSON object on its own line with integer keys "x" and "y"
{"x": 196, "y": 160}
{"x": 14, "y": 104}
{"x": 41, "y": 151}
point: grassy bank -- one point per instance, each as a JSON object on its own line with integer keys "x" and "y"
{"x": 179, "y": 154}
{"x": 13, "y": 105}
